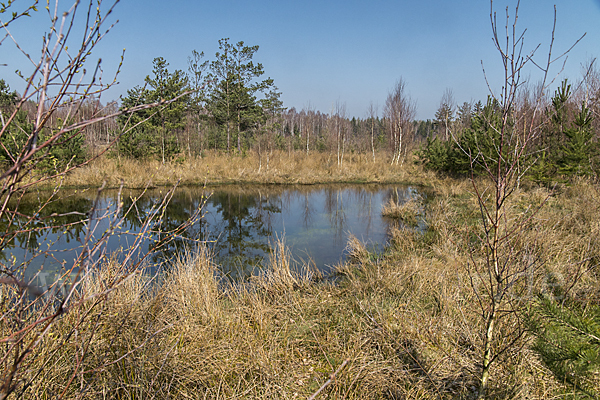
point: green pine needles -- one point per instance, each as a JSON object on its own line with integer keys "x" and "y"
{"x": 472, "y": 150}
{"x": 565, "y": 147}
{"x": 567, "y": 339}
{"x": 579, "y": 153}
{"x": 64, "y": 151}
{"x": 151, "y": 133}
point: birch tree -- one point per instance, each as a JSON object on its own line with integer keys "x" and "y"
{"x": 399, "y": 111}
{"x": 372, "y": 113}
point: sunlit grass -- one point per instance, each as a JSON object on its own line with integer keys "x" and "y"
{"x": 219, "y": 168}
{"x": 408, "y": 321}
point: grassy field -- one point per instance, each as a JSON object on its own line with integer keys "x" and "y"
{"x": 216, "y": 168}
{"x": 403, "y": 325}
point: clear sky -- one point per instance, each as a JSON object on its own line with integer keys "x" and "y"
{"x": 320, "y": 52}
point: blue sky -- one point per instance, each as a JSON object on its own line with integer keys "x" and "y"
{"x": 320, "y": 52}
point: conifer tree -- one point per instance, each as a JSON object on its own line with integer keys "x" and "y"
{"x": 234, "y": 85}
{"x": 52, "y": 159}
{"x": 153, "y": 132}
{"x": 579, "y": 150}
{"x": 170, "y": 119}
{"x": 568, "y": 342}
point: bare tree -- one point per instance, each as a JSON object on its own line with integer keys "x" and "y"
{"x": 372, "y": 114}
{"x": 399, "y": 111}
{"x": 591, "y": 90}
{"x": 444, "y": 116}
{"x": 337, "y": 127}
{"x": 499, "y": 277}
{"x": 57, "y": 84}
{"x": 310, "y": 125}
{"x": 197, "y": 81}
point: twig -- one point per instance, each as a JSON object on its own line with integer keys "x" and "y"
{"x": 330, "y": 380}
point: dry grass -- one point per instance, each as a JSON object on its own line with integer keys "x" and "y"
{"x": 408, "y": 212}
{"x": 217, "y": 168}
{"x": 407, "y": 321}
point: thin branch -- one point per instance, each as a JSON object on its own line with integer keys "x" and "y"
{"x": 330, "y": 380}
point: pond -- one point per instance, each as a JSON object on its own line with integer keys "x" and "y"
{"x": 238, "y": 224}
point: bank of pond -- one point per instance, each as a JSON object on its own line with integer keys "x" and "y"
{"x": 239, "y": 224}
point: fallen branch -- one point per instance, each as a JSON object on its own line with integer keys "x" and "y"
{"x": 331, "y": 379}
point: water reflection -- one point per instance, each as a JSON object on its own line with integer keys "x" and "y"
{"x": 238, "y": 223}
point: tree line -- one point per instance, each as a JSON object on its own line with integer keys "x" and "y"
{"x": 227, "y": 105}
{"x": 464, "y": 139}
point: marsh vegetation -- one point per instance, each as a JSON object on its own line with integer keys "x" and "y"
{"x": 487, "y": 286}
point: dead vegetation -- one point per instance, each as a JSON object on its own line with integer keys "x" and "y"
{"x": 219, "y": 168}
{"x": 403, "y": 320}
{"x": 407, "y": 212}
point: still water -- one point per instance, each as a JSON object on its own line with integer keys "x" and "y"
{"x": 239, "y": 223}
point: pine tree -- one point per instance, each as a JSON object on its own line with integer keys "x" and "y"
{"x": 153, "y": 133}
{"x": 579, "y": 150}
{"x": 234, "y": 86}
{"x": 170, "y": 119}
{"x": 474, "y": 150}
{"x": 14, "y": 139}
{"x": 67, "y": 150}
{"x": 138, "y": 138}
{"x": 568, "y": 342}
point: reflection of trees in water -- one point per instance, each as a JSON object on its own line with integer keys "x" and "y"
{"x": 267, "y": 207}
{"x": 365, "y": 201}
{"x": 240, "y": 226}
{"x": 39, "y": 224}
{"x": 183, "y": 209}
{"x": 334, "y": 208}
{"x": 303, "y": 197}
{"x": 242, "y": 235}
{"x": 308, "y": 211}
{"x": 36, "y": 219}
{"x": 400, "y": 196}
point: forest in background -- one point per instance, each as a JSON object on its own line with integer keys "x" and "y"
{"x": 497, "y": 298}
{"x": 225, "y": 106}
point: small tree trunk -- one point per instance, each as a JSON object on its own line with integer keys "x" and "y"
{"x": 373, "y": 140}
{"x": 239, "y": 135}
{"x": 487, "y": 352}
{"x": 200, "y": 138}
{"x": 307, "y": 140}
{"x": 259, "y": 158}
{"x": 343, "y": 149}
{"x": 338, "y": 143}
{"x": 228, "y": 138}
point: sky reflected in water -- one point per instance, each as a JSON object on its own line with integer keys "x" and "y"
{"x": 239, "y": 224}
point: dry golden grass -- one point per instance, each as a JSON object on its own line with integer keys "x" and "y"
{"x": 407, "y": 212}
{"x": 407, "y": 320}
{"x": 218, "y": 168}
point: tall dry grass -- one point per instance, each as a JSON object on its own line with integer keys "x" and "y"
{"x": 219, "y": 168}
{"x": 406, "y": 320}
{"x": 408, "y": 211}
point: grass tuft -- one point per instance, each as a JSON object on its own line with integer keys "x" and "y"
{"x": 407, "y": 212}
{"x": 407, "y": 321}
